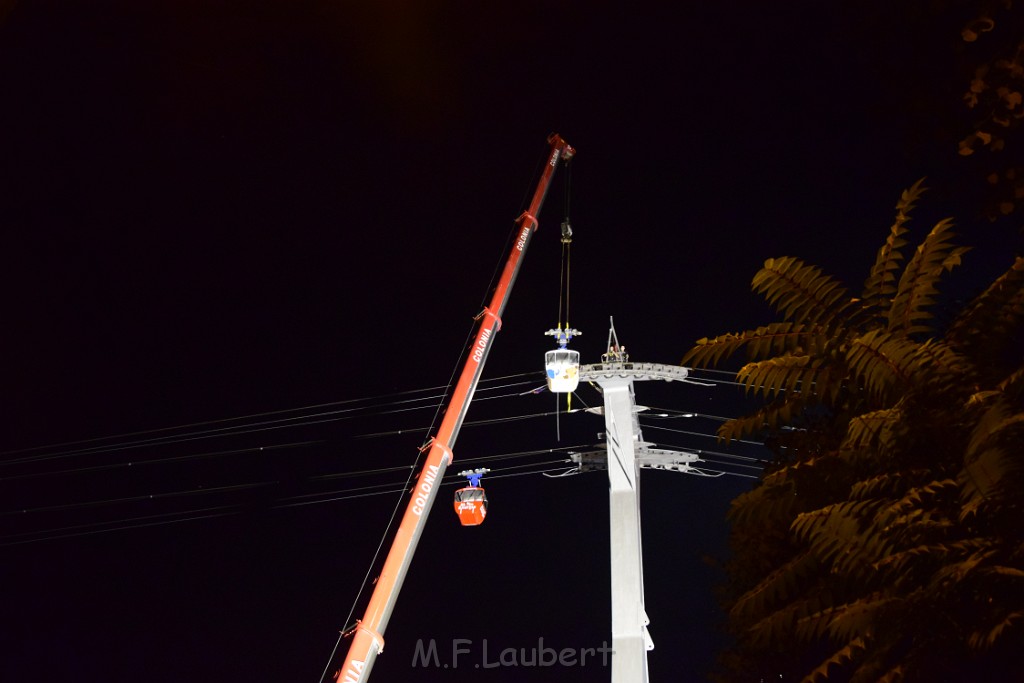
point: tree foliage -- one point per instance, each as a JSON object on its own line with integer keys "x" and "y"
{"x": 993, "y": 41}
{"x": 886, "y": 541}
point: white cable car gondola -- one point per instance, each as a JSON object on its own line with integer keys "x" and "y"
{"x": 563, "y": 370}
{"x": 562, "y": 365}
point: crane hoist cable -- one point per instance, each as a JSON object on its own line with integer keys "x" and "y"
{"x": 564, "y": 275}
{"x": 562, "y": 332}
{"x": 562, "y": 366}
{"x": 566, "y": 266}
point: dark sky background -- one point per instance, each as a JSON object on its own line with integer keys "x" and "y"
{"x": 219, "y": 209}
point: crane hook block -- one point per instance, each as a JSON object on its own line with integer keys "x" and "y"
{"x": 566, "y": 232}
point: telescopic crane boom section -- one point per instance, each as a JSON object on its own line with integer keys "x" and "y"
{"x": 368, "y": 636}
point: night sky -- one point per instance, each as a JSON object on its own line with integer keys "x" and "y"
{"x": 222, "y": 209}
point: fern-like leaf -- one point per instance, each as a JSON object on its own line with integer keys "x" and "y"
{"x": 941, "y": 368}
{"x": 776, "y": 338}
{"x": 894, "y": 675}
{"x": 858, "y": 619}
{"x": 958, "y": 572}
{"x": 839, "y": 660}
{"x": 992, "y": 454}
{"x": 837, "y": 529}
{"x": 780, "y": 375}
{"x": 781, "y": 586}
{"x": 917, "y": 498}
{"x": 804, "y": 620}
{"x": 880, "y": 286}
{"x": 984, "y": 477}
{"x": 764, "y": 504}
{"x": 768, "y": 417}
{"x": 986, "y": 322}
{"x": 800, "y": 292}
{"x": 988, "y": 425}
{"x": 984, "y": 640}
{"x": 1013, "y": 384}
{"x": 868, "y": 430}
{"x": 881, "y": 361}
{"x": 889, "y": 485}
{"x": 917, "y": 287}
{"x": 899, "y": 567}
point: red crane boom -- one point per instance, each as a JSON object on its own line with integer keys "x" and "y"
{"x": 368, "y": 638}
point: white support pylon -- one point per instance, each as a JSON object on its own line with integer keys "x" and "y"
{"x": 630, "y": 638}
{"x": 626, "y": 453}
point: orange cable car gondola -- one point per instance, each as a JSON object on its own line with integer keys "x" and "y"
{"x": 471, "y": 501}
